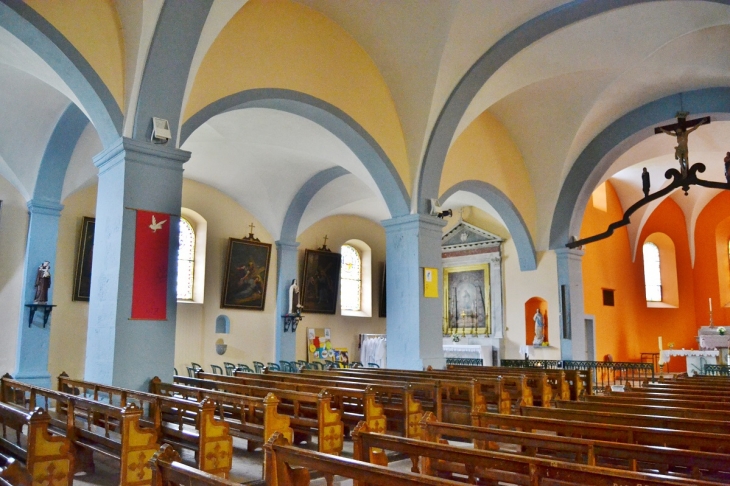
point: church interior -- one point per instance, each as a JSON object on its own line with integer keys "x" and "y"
{"x": 451, "y": 152}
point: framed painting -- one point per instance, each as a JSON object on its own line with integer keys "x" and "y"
{"x": 466, "y": 300}
{"x": 246, "y": 274}
{"x": 321, "y": 281}
{"x": 84, "y": 256}
{"x": 382, "y": 306}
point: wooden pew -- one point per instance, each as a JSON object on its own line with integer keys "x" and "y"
{"x": 167, "y": 470}
{"x": 630, "y": 419}
{"x": 355, "y": 404}
{"x": 12, "y": 473}
{"x": 252, "y": 418}
{"x": 401, "y": 409}
{"x": 650, "y": 394}
{"x": 479, "y": 465}
{"x": 672, "y": 401}
{"x": 580, "y": 381}
{"x": 447, "y": 397}
{"x": 522, "y": 388}
{"x": 290, "y": 466}
{"x": 209, "y": 437}
{"x": 627, "y": 434}
{"x": 47, "y": 457}
{"x": 641, "y": 458}
{"x": 309, "y": 413}
{"x": 120, "y": 435}
{"x": 721, "y": 416}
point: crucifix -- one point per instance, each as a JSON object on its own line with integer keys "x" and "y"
{"x": 324, "y": 246}
{"x": 681, "y": 130}
{"x": 250, "y": 236}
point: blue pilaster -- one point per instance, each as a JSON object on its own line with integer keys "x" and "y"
{"x": 287, "y": 265}
{"x": 132, "y": 175}
{"x": 33, "y": 341}
{"x": 414, "y": 321}
{"x": 570, "y": 293}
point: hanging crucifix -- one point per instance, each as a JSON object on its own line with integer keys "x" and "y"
{"x": 683, "y": 178}
{"x": 681, "y": 130}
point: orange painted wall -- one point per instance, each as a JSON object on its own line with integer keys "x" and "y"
{"x": 707, "y": 280}
{"x": 630, "y": 328}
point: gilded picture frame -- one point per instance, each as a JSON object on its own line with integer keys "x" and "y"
{"x": 246, "y": 274}
{"x": 467, "y": 300}
{"x": 84, "y": 257}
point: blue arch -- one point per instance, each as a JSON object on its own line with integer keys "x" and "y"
{"x": 45, "y": 40}
{"x": 326, "y": 115}
{"x": 429, "y": 176}
{"x": 168, "y": 65}
{"x": 509, "y": 214}
{"x": 301, "y": 200}
{"x": 618, "y": 137}
{"x": 60, "y": 147}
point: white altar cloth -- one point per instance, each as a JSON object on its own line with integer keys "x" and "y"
{"x": 469, "y": 351}
{"x": 696, "y": 359}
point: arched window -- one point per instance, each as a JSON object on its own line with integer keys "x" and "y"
{"x": 350, "y": 279}
{"x": 652, "y": 273}
{"x": 185, "y": 261}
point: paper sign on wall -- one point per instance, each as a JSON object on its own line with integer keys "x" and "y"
{"x": 430, "y": 282}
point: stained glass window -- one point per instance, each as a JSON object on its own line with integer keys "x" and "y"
{"x": 652, "y": 273}
{"x": 350, "y": 279}
{"x": 185, "y": 261}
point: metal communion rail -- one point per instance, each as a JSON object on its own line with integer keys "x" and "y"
{"x": 604, "y": 373}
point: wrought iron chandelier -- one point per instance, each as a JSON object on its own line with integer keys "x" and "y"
{"x": 683, "y": 178}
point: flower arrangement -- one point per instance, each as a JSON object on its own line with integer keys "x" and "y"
{"x": 545, "y": 344}
{"x": 671, "y": 345}
{"x": 721, "y": 331}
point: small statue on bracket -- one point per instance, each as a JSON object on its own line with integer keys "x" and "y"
{"x": 42, "y": 283}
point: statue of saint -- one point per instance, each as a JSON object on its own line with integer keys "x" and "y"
{"x": 645, "y": 182}
{"x": 539, "y": 328}
{"x": 294, "y": 305}
{"x": 727, "y": 167}
{"x": 42, "y": 283}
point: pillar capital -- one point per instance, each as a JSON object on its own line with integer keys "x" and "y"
{"x": 45, "y": 206}
{"x": 283, "y": 245}
{"x": 130, "y": 150}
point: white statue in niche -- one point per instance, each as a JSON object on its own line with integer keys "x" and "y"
{"x": 294, "y": 305}
{"x": 539, "y": 328}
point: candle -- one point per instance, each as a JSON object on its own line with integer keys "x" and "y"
{"x": 660, "y": 343}
{"x": 710, "y": 304}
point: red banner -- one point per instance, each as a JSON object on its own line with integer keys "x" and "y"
{"x": 151, "y": 250}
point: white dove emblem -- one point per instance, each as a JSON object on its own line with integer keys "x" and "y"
{"x": 155, "y": 225}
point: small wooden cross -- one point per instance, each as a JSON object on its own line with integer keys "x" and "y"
{"x": 250, "y": 228}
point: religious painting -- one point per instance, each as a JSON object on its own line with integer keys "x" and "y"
{"x": 321, "y": 281}
{"x": 466, "y": 300}
{"x": 246, "y": 274}
{"x": 84, "y": 255}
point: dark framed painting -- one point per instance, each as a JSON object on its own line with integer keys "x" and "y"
{"x": 321, "y": 281}
{"x": 246, "y": 274}
{"x": 84, "y": 256}
{"x": 382, "y": 305}
{"x": 466, "y": 300}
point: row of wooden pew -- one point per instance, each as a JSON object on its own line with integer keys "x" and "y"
{"x": 623, "y": 445}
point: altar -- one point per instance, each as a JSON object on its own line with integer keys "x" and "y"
{"x": 696, "y": 359}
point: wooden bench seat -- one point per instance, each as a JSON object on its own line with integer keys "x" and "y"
{"x": 672, "y": 401}
{"x": 627, "y": 434}
{"x": 472, "y": 465}
{"x": 167, "y": 469}
{"x": 120, "y": 435}
{"x": 698, "y": 465}
{"x": 523, "y": 390}
{"x": 183, "y": 423}
{"x": 630, "y": 419}
{"x": 721, "y": 416}
{"x": 13, "y": 473}
{"x": 310, "y": 414}
{"x": 47, "y": 457}
{"x": 580, "y": 382}
{"x": 401, "y": 409}
{"x": 354, "y": 404}
{"x": 290, "y": 466}
{"x": 642, "y": 393}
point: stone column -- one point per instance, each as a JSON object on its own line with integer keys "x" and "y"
{"x": 572, "y": 315}
{"x": 287, "y": 265}
{"x": 133, "y": 175}
{"x": 414, "y": 323}
{"x": 33, "y": 340}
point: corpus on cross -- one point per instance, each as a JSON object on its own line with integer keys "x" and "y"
{"x": 681, "y": 130}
